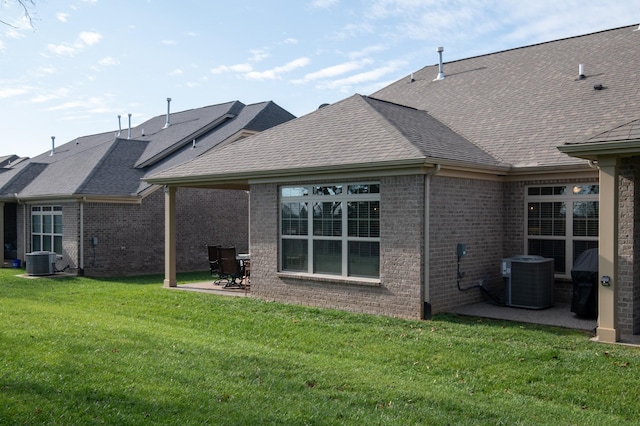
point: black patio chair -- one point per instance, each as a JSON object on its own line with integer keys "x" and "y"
{"x": 214, "y": 259}
{"x": 230, "y": 269}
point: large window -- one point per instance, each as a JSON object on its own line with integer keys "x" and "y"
{"x": 46, "y": 228}
{"x": 562, "y": 222}
{"x": 331, "y": 229}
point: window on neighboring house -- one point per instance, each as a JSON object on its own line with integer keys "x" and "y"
{"x": 46, "y": 228}
{"x": 562, "y": 222}
{"x": 331, "y": 229}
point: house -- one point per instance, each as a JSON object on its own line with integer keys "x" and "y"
{"x": 404, "y": 202}
{"x": 85, "y": 199}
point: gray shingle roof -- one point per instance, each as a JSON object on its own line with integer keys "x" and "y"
{"x": 355, "y": 132}
{"x": 520, "y": 104}
{"x": 107, "y": 165}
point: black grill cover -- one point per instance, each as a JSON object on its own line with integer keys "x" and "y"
{"x": 585, "y": 284}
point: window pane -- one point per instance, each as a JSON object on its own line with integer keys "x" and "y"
{"x": 364, "y": 219}
{"x": 327, "y": 190}
{"x": 36, "y": 244}
{"x": 46, "y": 243}
{"x": 294, "y": 255}
{"x": 364, "y": 259}
{"x": 580, "y": 246}
{"x": 36, "y": 223}
{"x": 550, "y": 248}
{"x": 327, "y": 257}
{"x": 294, "y": 192}
{"x": 364, "y": 189}
{"x": 57, "y": 224}
{"x": 57, "y": 244}
{"x": 585, "y": 189}
{"x": 327, "y": 219}
{"x": 47, "y": 224}
{"x": 294, "y": 219}
{"x": 585, "y": 218}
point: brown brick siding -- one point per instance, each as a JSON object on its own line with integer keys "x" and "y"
{"x": 628, "y": 247}
{"x": 131, "y": 236}
{"x": 465, "y": 211}
{"x": 398, "y": 295}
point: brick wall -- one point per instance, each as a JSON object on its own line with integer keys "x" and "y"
{"x": 628, "y": 247}
{"x": 398, "y": 295}
{"x": 471, "y": 212}
{"x": 131, "y": 236}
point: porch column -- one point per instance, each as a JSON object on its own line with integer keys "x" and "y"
{"x": 608, "y": 330}
{"x": 170, "y": 237}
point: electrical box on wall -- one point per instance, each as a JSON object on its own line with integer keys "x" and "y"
{"x": 462, "y": 250}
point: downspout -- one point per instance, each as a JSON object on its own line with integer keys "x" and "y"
{"x": 24, "y": 228}
{"x": 81, "y": 250}
{"x": 426, "y": 310}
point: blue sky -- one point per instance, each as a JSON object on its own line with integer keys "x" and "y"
{"x": 84, "y": 62}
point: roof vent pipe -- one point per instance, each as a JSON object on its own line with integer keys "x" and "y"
{"x": 581, "y": 75}
{"x": 194, "y": 144}
{"x": 119, "y": 125}
{"x": 129, "y": 133}
{"x": 167, "y": 124}
{"x": 53, "y": 145}
{"x": 440, "y": 72}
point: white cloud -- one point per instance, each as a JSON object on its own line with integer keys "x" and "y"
{"x": 45, "y": 71}
{"x": 9, "y": 92}
{"x": 13, "y": 33}
{"x": 62, "y": 49}
{"x": 274, "y": 73}
{"x": 2, "y": 46}
{"x": 333, "y": 71}
{"x": 108, "y": 61}
{"x": 345, "y": 84}
{"x": 323, "y": 4}
{"x": 62, "y": 17}
{"x": 258, "y": 55}
{"x": 90, "y": 38}
{"x": 92, "y": 104}
{"x": 241, "y": 68}
{"x": 176, "y": 72}
{"x": 169, "y": 42}
{"x": 290, "y": 41}
{"x": 68, "y": 49}
{"x": 52, "y": 95}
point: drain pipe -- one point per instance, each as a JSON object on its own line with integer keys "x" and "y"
{"x": 426, "y": 309}
{"x": 81, "y": 260}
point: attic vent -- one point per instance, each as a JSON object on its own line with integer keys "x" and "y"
{"x": 581, "y": 75}
{"x": 440, "y": 70}
{"x": 167, "y": 124}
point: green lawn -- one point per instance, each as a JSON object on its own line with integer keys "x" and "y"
{"x": 76, "y": 351}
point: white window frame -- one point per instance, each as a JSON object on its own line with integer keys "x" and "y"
{"x": 569, "y": 198}
{"x": 41, "y": 211}
{"x": 310, "y": 198}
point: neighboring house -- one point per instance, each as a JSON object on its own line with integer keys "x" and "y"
{"x": 360, "y": 205}
{"x": 85, "y": 200}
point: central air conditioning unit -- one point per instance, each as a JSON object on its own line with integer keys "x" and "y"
{"x": 40, "y": 263}
{"x": 529, "y": 281}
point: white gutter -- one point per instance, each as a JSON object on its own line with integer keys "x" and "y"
{"x": 426, "y": 310}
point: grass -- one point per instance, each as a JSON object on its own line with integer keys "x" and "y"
{"x": 127, "y": 351}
